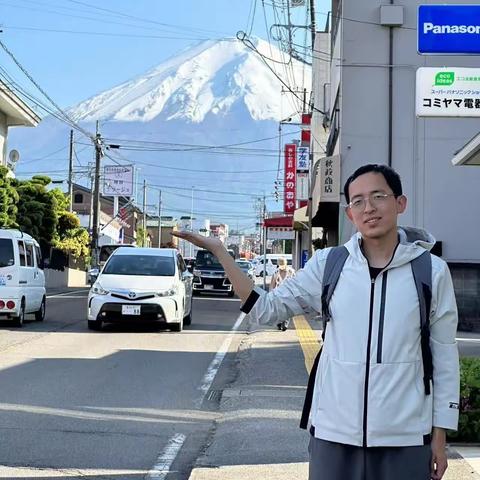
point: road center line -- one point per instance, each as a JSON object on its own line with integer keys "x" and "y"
{"x": 214, "y": 366}
{"x": 67, "y": 293}
{"x": 165, "y": 460}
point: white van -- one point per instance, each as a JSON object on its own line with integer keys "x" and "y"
{"x": 22, "y": 280}
{"x": 272, "y": 261}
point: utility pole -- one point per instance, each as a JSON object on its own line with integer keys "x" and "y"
{"x": 264, "y": 243}
{"x": 96, "y": 199}
{"x": 70, "y": 173}
{"x": 160, "y": 219}
{"x": 312, "y": 22}
{"x": 191, "y": 225}
{"x": 144, "y": 213}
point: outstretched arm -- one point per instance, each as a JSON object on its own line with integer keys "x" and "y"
{"x": 241, "y": 283}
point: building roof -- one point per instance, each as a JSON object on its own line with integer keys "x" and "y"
{"x": 469, "y": 154}
{"x": 18, "y": 113}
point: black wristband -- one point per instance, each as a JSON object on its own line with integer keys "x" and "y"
{"x": 250, "y": 302}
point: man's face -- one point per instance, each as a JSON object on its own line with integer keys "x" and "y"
{"x": 372, "y": 211}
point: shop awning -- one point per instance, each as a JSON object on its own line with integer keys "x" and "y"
{"x": 279, "y": 221}
{"x": 300, "y": 219}
{"x": 469, "y": 154}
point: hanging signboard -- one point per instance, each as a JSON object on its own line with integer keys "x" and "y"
{"x": 448, "y": 92}
{"x": 289, "y": 185}
{"x": 303, "y": 159}
{"x": 302, "y": 186}
{"x": 448, "y": 29}
{"x": 118, "y": 181}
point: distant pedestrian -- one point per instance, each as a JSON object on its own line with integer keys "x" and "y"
{"x": 386, "y": 386}
{"x": 283, "y": 272}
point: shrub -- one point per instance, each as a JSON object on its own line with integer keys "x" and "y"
{"x": 469, "y": 423}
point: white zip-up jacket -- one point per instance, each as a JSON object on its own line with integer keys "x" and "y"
{"x": 371, "y": 392}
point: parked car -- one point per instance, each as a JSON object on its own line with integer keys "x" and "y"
{"x": 190, "y": 263}
{"x": 246, "y": 267}
{"x": 209, "y": 275}
{"x": 22, "y": 280}
{"x": 142, "y": 284}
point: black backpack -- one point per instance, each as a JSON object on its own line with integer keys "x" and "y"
{"x": 422, "y": 274}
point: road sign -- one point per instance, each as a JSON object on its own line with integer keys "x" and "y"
{"x": 118, "y": 180}
{"x": 447, "y": 92}
{"x": 448, "y": 29}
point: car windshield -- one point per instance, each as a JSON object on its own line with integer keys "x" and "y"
{"x": 207, "y": 259}
{"x": 6, "y": 253}
{"x": 146, "y": 265}
{"x": 243, "y": 264}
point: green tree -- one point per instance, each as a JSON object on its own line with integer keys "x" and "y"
{"x": 8, "y": 200}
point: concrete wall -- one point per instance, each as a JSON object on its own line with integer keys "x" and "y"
{"x": 67, "y": 278}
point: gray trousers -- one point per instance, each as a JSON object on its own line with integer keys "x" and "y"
{"x": 336, "y": 461}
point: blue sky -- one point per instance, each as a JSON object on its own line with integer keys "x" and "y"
{"x": 117, "y": 39}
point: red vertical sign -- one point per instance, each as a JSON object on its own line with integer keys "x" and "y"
{"x": 290, "y": 177}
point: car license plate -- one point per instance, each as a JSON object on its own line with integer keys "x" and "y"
{"x": 131, "y": 309}
{"x": 208, "y": 287}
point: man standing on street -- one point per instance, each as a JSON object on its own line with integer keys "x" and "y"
{"x": 381, "y": 405}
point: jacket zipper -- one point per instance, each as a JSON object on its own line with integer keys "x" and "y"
{"x": 382, "y": 316}
{"x": 367, "y": 367}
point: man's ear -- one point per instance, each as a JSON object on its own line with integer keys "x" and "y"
{"x": 348, "y": 212}
{"x": 401, "y": 203}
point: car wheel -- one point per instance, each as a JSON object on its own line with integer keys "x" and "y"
{"x": 95, "y": 325}
{"x": 40, "y": 314}
{"x": 21, "y": 316}
{"x": 188, "y": 319}
{"x": 176, "y": 327}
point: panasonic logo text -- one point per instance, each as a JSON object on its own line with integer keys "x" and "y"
{"x": 429, "y": 27}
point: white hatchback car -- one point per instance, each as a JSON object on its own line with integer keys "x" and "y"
{"x": 138, "y": 284}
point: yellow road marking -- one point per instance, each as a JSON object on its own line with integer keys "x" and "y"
{"x": 308, "y": 340}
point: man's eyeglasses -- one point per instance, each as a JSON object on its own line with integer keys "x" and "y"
{"x": 376, "y": 200}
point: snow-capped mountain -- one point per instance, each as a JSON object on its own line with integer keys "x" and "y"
{"x": 217, "y": 93}
{"x": 210, "y": 78}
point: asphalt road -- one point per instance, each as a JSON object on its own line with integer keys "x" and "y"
{"x": 126, "y": 403}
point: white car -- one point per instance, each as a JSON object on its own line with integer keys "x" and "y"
{"x": 142, "y": 284}
{"x": 22, "y": 280}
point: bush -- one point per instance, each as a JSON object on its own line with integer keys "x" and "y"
{"x": 469, "y": 423}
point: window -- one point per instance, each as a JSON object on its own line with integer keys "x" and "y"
{"x": 21, "y": 253}
{"x": 144, "y": 265}
{"x": 78, "y": 198}
{"x": 29, "y": 252}
{"x": 38, "y": 254}
{"x": 7, "y": 259}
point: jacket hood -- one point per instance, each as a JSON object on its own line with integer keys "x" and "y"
{"x": 412, "y": 243}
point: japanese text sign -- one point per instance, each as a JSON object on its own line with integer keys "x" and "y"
{"x": 303, "y": 159}
{"x": 290, "y": 178}
{"x": 330, "y": 179}
{"x": 118, "y": 180}
{"x": 448, "y": 92}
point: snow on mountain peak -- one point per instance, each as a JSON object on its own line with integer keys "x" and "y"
{"x": 212, "y": 78}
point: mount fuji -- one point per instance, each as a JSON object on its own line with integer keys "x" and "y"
{"x": 206, "y": 118}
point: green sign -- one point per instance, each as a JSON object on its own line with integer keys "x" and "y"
{"x": 444, "y": 78}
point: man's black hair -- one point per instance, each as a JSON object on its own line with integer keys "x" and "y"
{"x": 391, "y": 177}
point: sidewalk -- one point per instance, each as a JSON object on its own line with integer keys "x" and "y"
{"x": 257, "y": 436}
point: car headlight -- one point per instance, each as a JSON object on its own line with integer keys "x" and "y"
{"x": 197, "y": 273}
{"x": 97, "y": 289}
{"x": 168, "y": 293}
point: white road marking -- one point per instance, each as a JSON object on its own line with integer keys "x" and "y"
{"x": 218, "y": 299}
{"x": 167, "y": 457}
{"x": 216, "y": 362}
{"x": 66, "y": 294}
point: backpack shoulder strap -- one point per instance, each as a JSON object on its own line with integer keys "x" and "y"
{"x": 333, "y": 268}
{"x": 422, "y": 275}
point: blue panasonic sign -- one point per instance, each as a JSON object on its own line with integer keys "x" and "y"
{"x": 449, "y": 29}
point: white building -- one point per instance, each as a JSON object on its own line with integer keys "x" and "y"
{"x": 372, "y": 117}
